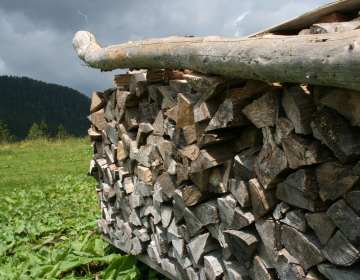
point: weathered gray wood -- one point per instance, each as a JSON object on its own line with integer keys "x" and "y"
{"x": 97, "y": 102}
{"x": 271, "y": 165}
{"x": 144, "y": 130}
{"x": 242, "y": 243}
{"x": 347, "y": 220}
{"x": 280, "y": 210}
{"x": 201, "y": 179}
{"x": 270, "y": 237}
{"x": 159, "y": 124}
{"x": 285, "y": 68}
{"x": 340, "y": 251}
{"x": 167, "y": 213}
{"x": 244, "y": 169}
{"x": 346, "y": 102}
{"x": 301, "y": 189}
{"x": 264, "y": 111}
{"x": 193, "y": 224}
{"x": 202, "y": 244}
{"x": 299, "y": 107}
{"x": 236, "y": 270}
{"x": 211, "y": 157}
{"x": 241, "y": 191}
{"x": 337, "y": 133}
{"x": 209, "y": 139}
{"x": 227, "y": 205}
{"x": 287, "y": 267}
{"x": 242, "y": 218}
{"x": 98, "y": 119}
{"x": 296, "y": 219}
{"x": 283, "y": 128}
{"x": 259, "y": 271}
{"x": 214, "y": 266}
{"x": 334, "y": 272}
{"x": 305, "y": 247}
{"x": 334, "y": 180}
{"x": 229, "y": 115}
{"x": 250, "y": 138}
{"x": 263, "y": 201}
{"x": 208, "y": 87}
{"x": 216, "y": 184}
{"x": 205, "y": 110}
{"x": 301, "y": 151}
{"x": 192, "y": 273}
{"x": 168, "y": 183}
{"x": 353, "y": 198}
{"x": 323, "y": 226}
{"x": 321, "y": 28}
{"x": 136, "y": 78}
{"x": 255, "y": 89}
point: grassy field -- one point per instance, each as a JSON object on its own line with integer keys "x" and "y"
{"x": 48, "y": 213}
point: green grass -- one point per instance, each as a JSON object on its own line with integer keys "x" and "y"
{"x": 41, "y": 163}
{"x": 48, "y": 213}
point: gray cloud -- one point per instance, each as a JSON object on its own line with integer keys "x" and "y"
{"x": 36, "y": 36}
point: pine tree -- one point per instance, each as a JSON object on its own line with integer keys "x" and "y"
{"x": 62, "y": 134}
{"x": 34, "y": 132}
{"x": 44, "y": 129}
{"x": 4, "y": 132}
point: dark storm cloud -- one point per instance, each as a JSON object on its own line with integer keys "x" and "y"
{"x": 36, "y": 36}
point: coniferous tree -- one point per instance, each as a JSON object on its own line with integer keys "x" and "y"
{"x": 62, "y": 134}
{"x": 4, "y": 132}
{"x": 34, "y": 132}
{"x": 44, "y": 129}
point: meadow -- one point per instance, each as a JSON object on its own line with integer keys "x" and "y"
{"x": 48, "y": 213}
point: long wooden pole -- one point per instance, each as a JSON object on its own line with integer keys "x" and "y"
{"x": 320, "y": 59}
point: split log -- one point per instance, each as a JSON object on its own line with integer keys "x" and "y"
{"x": 168, "y": 183}
{"x": 340, "y": 251}
{"x": 135, "y": 79}
{"x": 189, "y": 196}
{"x": 244, "y": 169}
{"x": 305, "y": 247}
{"x": 214, "y": 266}
{"x": 284, "y": 127}
{"x": 323, "y": 226}
{"x": 245, "y": 53}
{"x": 185, "y": 109}
{"x": 227, "y": 205}
{"x": 270, "y": 236}
{"x": 205, "y": 110}
{"x": 271, "y": 165}
{"x": 336, "y": 132}
{"x": 167, "y": 213}
{"x": 250, "y": 138}
{"x": 172, "y": 113}
{"x": 263, "y": 201}
{"x": 200, "y": 245}
{"x": 133, "y": 116}
{"x": 280, "y": 210}
{"x": 287, "y": 267}
{"x": 255, "y": 89}
{"x": 190, "y": 134}
{"x": 210, "y": 139}
{"x": 201, "y": 179}
{"x": 344, "y": 101}
{"x": 264, "y": 111}
{"x": 301, "y": 151}
{"x": 301, "y": 189}
{"x": 122, "y": 80}
{"x": 180, "y": 85}
{"x": 334, "y": 272}
{"x": 352, "y": 197}
{"x": 98, "y": 120}
{"x": 192, "y": 273}
{"x": 347, "y": 220}
{"x": 97, "y": 102}
{"x": 241, "y": 191}
{"x": 109, "y": 111}
{"x": 334, "y": 17}
{"x": 193, "y": 224}
{"x": 159, "y": 125}
{"x": 236, "y": 270}
{"x": 242, "y": 218}
{"x": 259, "y": 271}
{"x": 94, "y": 135}
{"x": 143, "y": 132}
{"x": 190, "y": 152}
{"x": 216, "y": 184}
{"x": 209, "y": 87}
{"x": 229, "y": 115}
{"x": 296, "y": 219}
{"x": 211, "y": 157}
{"x": 298, "y": 107}
{"x": 334, "y": 180}
{"x": 242, "y": 243}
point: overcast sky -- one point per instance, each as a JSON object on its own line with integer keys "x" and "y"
{"x": 36, "y": 35}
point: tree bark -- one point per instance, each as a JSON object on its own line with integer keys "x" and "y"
{"x": 326, "y": 59}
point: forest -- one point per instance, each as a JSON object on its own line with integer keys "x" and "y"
{"x": 26, "y": 101}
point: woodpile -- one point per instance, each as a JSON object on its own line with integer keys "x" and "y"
{"x": 216, "y": 177}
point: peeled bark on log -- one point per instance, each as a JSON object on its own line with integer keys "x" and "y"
{"x": 248, "y": 58}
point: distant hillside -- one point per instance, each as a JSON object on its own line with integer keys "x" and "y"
{"x": 24, "y": 101}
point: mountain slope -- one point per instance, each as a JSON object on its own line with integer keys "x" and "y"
{"x": 24, "y": 101}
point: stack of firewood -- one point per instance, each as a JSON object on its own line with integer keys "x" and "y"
{"x": 213, "y": 177}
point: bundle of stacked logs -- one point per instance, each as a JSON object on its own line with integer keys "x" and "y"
{"x": 213, "y": 177}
